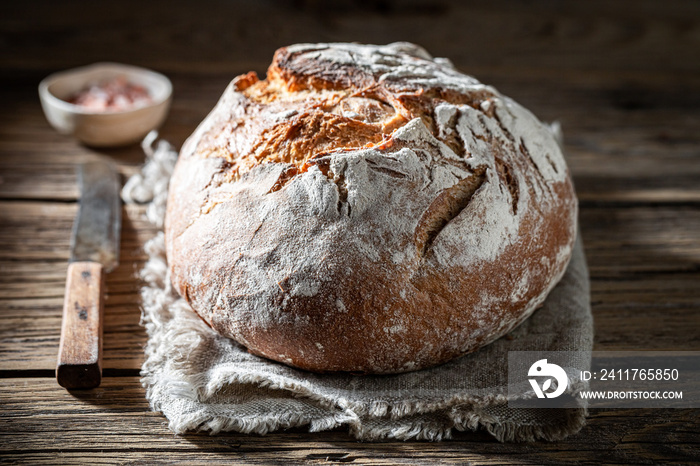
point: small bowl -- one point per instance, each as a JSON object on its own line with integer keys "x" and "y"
{"x": 110, "y": 127}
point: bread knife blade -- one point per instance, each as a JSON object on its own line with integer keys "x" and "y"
{"x": 94, "y": 251}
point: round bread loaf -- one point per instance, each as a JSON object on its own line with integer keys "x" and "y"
{"x": 367, "y": 209}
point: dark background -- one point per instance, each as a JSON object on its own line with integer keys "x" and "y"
{"x": 612, "y": 56}
{"x": 622, "y": 77}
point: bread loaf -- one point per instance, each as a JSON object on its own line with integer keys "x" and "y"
{"x": 367, "y": 209}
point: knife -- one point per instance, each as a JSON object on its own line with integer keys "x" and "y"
{"x": 94, "y": 252}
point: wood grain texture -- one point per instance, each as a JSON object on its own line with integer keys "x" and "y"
{"x": 611, "y": 436}
{"x": 621, "y": 77}
{"x": 80, "y": 345}
{"x": 650, "y": 155}
{"x": 642, "y": 275}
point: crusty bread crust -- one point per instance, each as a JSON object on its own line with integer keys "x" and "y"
{"x": 367, "y": 209}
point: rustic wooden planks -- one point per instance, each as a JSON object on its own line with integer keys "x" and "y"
{"x": 649, "y": 155}
{"x": 622, "y": 77}
{"x": 33, "y": 282}
{"x": 643, "y": 276}
{"x": 644, "y": 281}
{"x": 38, "y": 408}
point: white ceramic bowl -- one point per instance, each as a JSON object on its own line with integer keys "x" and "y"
{"x": 104, "y": 128}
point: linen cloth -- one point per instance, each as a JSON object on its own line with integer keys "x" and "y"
{"x": 202, "y": 381}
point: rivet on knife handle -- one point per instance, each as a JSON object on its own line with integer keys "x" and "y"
{"x": 80, "y": 352}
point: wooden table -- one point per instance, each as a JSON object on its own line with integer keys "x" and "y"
{"x": 623, "y": 78}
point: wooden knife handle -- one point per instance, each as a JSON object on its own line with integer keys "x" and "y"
{"x": 80, "y": 349}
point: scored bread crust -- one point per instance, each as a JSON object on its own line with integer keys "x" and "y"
{"x": 367, "y": 209}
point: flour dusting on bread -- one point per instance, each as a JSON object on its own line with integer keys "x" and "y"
{"x": 369, "y": 209}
